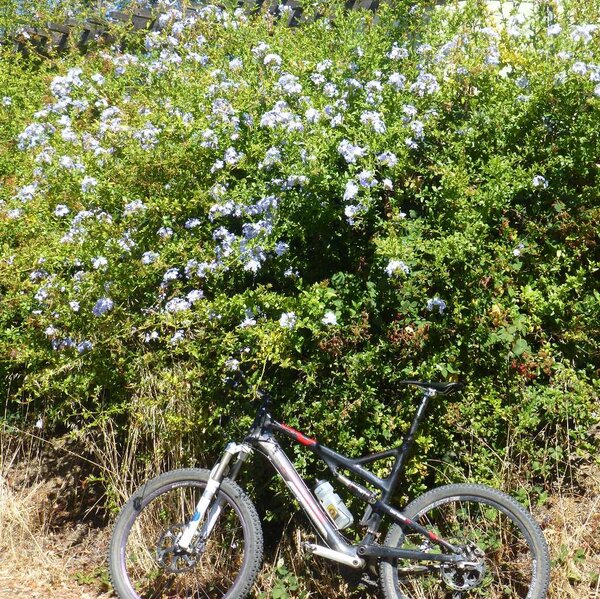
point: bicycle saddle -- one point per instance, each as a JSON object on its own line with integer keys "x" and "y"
{"x": 441, "y": 388}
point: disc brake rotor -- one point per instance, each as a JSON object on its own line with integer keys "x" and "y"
{"x": 171, "y": 557}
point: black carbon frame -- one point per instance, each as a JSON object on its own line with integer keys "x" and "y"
{"x": 262, "y": 429}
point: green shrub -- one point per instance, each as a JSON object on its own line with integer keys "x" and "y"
{"x": 338, "y": 207}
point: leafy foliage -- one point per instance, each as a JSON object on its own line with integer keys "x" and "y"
{"x": 337, "y": 207}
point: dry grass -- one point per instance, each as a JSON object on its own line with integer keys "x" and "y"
{"x": 48, "y": 547}
{"x": 43, "y": 553}
{"x": 571, "y": 523}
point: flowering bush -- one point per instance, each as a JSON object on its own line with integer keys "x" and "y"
{"x": 336, "y": 207}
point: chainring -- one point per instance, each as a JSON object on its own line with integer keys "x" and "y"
{"x": 467, "y": 576}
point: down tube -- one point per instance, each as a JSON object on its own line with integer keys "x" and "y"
{"x": 272, "y": 450}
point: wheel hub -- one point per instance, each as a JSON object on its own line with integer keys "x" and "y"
{"x": 170, "y": 556}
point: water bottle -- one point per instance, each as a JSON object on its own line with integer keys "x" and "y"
{"x": 333, "y": 504}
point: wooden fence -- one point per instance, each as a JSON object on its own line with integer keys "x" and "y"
{"x": 57, "y": 37}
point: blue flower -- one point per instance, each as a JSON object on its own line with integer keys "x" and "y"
{"x": 410, "y": 111}
{"x": 253, "y": 265}
{"x": 165, "y": 232}
{"x": 583, "y": 33}
{"x": 554, "y": 29}
{"x": 312, "y": 115}
{"x": 397, "y": 52}
{"x": 27, "y": 192}
{"x": 236, "y": 64}
{"x": 418, "y": 129}
{"x": 71, "y": 164}
{"x": 84, "y": 346}
{"x": 88, "y": 183}
{"x": 177, "y": 304}
{"x": 34, "y": 135}
{"x": 133, "y": 207}
{"x": 395, "y": 266}
{"x": 149, "y": 257}
{"x": 438, "y": 303}
{"x": 324, "y": 65}
{"x": 329, "y": 319}
{"x": 350, "y": 152}
{"x": 272, "y": 58}
{"x": 281, "y": 247}
{"x": 177, "y": 338}
{"x": 388, "y": 159}
{"x": 425, "y": 84}
{"x": 249, "y": 319}
{"x": 290, "y": 84}
{"x": 287, "y": 320}
{"x": 61, "y": 210}
{"x": 330, "y": 90}
{"x": 374, "y": 120}
{"x": 272, "y": 157}
{"x": 171, "y": 275}
{"x": 353, "y": 210}
{"x": 102, "y": 306}
{"x": 148, "y": 136}
{"x": 260, "y": 50}
{"x": 99, "y": 262}
{"x": 126, "y": 243}
{"x": 367, "y": 179}
{"x": 351, "y": 191}
{"x": 232, "y": 364}
{"x": 192, "y": 223}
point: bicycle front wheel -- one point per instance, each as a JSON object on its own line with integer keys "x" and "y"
{"x": 505, "y": 551}
{"x": 144, "y": 561}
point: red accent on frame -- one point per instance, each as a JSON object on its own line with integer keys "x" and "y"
{"x": 299, "y": 436}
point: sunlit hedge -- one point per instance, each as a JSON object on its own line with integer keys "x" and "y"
{"x": 336, "y": 207}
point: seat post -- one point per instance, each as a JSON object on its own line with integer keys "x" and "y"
{"x": 407, "y": 443}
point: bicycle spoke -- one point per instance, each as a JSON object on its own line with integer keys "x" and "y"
{"x": 208, "y": 571}
{"x": 506, "y": 570}
{"x": 502, "y": 551}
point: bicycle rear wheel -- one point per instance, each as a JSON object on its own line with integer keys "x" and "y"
{"x": 144, "y": 562}
{"x": 505, "y": 547}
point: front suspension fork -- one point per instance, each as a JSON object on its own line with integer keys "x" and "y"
{"x": 212, "y": 487}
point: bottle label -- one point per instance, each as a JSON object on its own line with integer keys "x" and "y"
{"x": 332, "y": 511}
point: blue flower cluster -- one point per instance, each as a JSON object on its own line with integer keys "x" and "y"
{"x": 258, "y": 160}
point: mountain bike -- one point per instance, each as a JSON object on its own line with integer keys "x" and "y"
{"x": 196, "y": 533}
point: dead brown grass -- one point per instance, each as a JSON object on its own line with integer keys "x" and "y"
{"x": 42, "y": 553}
{"x": 571, "y": 522}
{"x": 34, "y": 559}
{"x": 50, "y": 546}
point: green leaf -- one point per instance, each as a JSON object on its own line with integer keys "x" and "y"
{"x": 520, "y": 347}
